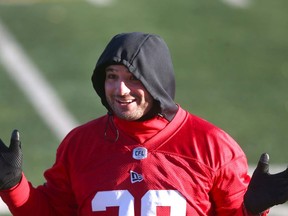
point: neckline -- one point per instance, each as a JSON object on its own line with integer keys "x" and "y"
{"x": 143, "y": 130}
{"x": 161, "y": 136}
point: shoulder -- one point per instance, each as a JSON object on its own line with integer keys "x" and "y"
{"x": 88, "y": 128}
{"x": 84, "y": 134}
{"x": 209, "y": 143}
{"x": 191, "y": 121}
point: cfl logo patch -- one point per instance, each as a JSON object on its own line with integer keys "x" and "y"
{"x": 140, "y": 153}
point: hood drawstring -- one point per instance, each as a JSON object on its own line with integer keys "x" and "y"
{"x": 110, "y": 124}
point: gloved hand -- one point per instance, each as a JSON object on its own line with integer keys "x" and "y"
{"x": 10, "y": 162}
{"x": 266, "y": 190}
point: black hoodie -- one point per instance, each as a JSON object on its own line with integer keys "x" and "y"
{"x": 148, "y": 58}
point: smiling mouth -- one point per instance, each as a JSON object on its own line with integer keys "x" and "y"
{"x": 125, "y": 102}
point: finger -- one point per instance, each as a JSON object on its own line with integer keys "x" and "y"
{"x": 15, "y": 140}
{"x": 264, "y": 158}
{"x": 263, "y": 164}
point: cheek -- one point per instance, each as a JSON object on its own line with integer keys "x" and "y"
{"x": 108, "y": 89}
{"x": 148, "y": 98}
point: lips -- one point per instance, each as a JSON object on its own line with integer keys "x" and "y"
{"x": 124, "y": 102}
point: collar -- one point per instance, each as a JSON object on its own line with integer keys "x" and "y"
{"x": 141, "y": 130}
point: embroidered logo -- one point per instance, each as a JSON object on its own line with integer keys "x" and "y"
{"x": 135, "y": 177}
{"x": 140, "y": 153}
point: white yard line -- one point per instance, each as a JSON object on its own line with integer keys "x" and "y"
{"x": 23, "y": 2}
{"x": 238, "y": 3}
{"x": 3, "y": 208}
{"x": 30, "y": 80}
{"x": 280, "y": 210}
{"x": 101, "y": 2}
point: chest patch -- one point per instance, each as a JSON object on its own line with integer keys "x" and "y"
{"x": 139, "y": 153}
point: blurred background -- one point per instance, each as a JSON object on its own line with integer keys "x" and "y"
{"x": 230, "y": 59}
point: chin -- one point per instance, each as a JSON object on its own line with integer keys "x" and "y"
{"x": 128, "y": 117}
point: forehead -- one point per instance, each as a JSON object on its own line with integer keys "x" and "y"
{"x": 117, "y": 68}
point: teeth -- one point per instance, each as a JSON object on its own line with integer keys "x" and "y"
{"x": 128, "y": 101}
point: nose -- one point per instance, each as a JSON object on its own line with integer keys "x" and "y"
{"x": 123, "y": 89}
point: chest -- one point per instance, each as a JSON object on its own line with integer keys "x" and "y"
{"x": 133, "y": 179}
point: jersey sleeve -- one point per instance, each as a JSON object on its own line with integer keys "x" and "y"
{"x": 231, "y": 183}
{"x": 23, "y": 199}
{"x": 230, "y": 174}
{"x": 55, "y": 197}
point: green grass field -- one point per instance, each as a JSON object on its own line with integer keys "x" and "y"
{"x": 231, "y": 66}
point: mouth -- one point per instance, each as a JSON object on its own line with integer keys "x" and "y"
{"x": 125, "y": 102}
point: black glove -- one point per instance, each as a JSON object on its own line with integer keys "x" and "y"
{"x": 266, "y": 190}
{"x": 10, "y": 162}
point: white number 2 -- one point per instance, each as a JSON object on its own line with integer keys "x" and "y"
{"x": 149, "y": 202}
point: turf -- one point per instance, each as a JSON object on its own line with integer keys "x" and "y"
{"x": 230, "y": 63}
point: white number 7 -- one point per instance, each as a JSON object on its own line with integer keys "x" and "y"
{"x": 149, "y": 202}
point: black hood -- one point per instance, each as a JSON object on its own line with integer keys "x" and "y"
{"x": 148, "y": 58}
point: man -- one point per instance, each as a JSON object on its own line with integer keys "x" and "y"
{"x": 147, "y": 156}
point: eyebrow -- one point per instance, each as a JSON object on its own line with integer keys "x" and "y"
{"x": 110, "y": 69}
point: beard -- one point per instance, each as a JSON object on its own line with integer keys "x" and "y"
{"x": 130, "y": 111}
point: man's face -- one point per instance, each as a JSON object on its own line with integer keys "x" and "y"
{"x": 125, "y": 94}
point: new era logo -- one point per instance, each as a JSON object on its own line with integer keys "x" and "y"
{"x": 135, "y": 177}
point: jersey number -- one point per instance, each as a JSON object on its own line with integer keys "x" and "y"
{"x": 149, "y": 202}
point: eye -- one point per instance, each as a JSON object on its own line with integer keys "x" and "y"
{"x": 110, "y": 76}
{"x": 133, "y": 78}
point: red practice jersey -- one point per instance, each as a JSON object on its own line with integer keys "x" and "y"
{"x": 189, "y": 168}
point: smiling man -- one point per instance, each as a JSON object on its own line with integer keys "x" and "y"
{"x": 125, "y": 94}
{"x": 146, "y": 157}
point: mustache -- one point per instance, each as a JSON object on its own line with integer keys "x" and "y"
{"x": 124, "y": 97}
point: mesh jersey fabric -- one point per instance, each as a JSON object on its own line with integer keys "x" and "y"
{"x": 190, "y": 161}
